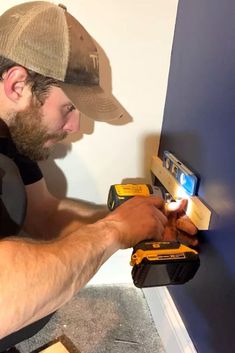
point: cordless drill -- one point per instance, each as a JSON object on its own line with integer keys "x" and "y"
{"x": 155, "y": 263}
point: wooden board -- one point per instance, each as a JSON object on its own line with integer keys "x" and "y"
{"x": 57, "y": 347}
{"x": 199, "y": 214}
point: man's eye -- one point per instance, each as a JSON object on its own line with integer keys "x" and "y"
{"x": 67, "y": 109}
{"x": 70, "y": 108}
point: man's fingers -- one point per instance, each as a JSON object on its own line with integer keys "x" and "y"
{"x": 159, "y": 215}
{"x": 184, "y": 224}
{"x": 179, "y": 226}
{"x": 187, "y": 240}
{"x": 157, "y": 202}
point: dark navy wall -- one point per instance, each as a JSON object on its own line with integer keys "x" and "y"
{"x": 199, "y": 128}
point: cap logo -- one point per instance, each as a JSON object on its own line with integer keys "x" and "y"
{"x": 95, "y": 60}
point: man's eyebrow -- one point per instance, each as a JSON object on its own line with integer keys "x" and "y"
{"x": 68, "y": 103}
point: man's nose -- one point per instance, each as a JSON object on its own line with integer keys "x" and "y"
{"x": 73, "y": 123}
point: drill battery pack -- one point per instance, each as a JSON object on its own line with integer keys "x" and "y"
{"x": 163, "y": 263}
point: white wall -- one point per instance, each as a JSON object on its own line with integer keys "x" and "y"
{"x": 136, "y": 36}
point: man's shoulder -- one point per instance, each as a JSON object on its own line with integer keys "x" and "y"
{"x": 28, "y": 169}
{"x": 13, "y": 197}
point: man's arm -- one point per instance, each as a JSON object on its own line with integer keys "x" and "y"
{"x": 37, "y": 277}
{"x": 48, "y": 217}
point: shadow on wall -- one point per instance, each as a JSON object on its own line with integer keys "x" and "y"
{"x": 54, "y": 176}
{"x": 148, "y": 149}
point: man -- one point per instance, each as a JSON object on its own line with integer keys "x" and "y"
{"x": 49, "y": 73}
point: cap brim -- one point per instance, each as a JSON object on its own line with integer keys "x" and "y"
{"x": 93, "y": 102}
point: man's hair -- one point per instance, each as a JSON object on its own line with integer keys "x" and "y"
{"x": 40, "y": 85}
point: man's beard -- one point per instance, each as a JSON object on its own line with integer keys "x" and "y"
{"x": 30, "y": 135}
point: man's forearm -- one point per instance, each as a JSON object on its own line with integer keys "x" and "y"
{"x": 36, "y": 278}
{"x": 72, "y": 214}
{"x": 89, "y": 212}
{"x": 64, "y": 217}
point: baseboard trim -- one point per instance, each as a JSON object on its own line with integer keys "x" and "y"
{"x": 169, "y": 324}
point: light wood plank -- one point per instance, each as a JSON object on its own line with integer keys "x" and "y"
{"x": 57, "y": 347}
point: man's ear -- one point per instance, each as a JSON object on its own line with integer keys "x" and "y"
{"x": 15, "y": 87}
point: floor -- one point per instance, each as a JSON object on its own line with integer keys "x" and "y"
{"x": 101, "y": 319}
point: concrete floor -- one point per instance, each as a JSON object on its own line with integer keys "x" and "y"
{"x": 101, "y": 319}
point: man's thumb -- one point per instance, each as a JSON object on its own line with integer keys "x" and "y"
{"x": 175, "y": 206}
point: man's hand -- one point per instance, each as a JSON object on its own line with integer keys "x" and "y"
{"x": 179, "y": 227}
{"x": 139, "y": 218}
{"x": 145, "y": 218}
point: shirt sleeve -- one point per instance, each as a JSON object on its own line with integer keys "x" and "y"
{"x": 29, "y": 170}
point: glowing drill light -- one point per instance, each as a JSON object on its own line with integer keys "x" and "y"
{"x": 181, "y": 193}
{"x": 178, "y": 194}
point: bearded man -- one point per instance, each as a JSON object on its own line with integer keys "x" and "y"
{"x": 49, "y": 74}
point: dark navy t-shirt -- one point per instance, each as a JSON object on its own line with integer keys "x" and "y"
{"x": 30, "y": 173}
{"x": 29, "y": 170}
{"x": 16, "y": 171}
